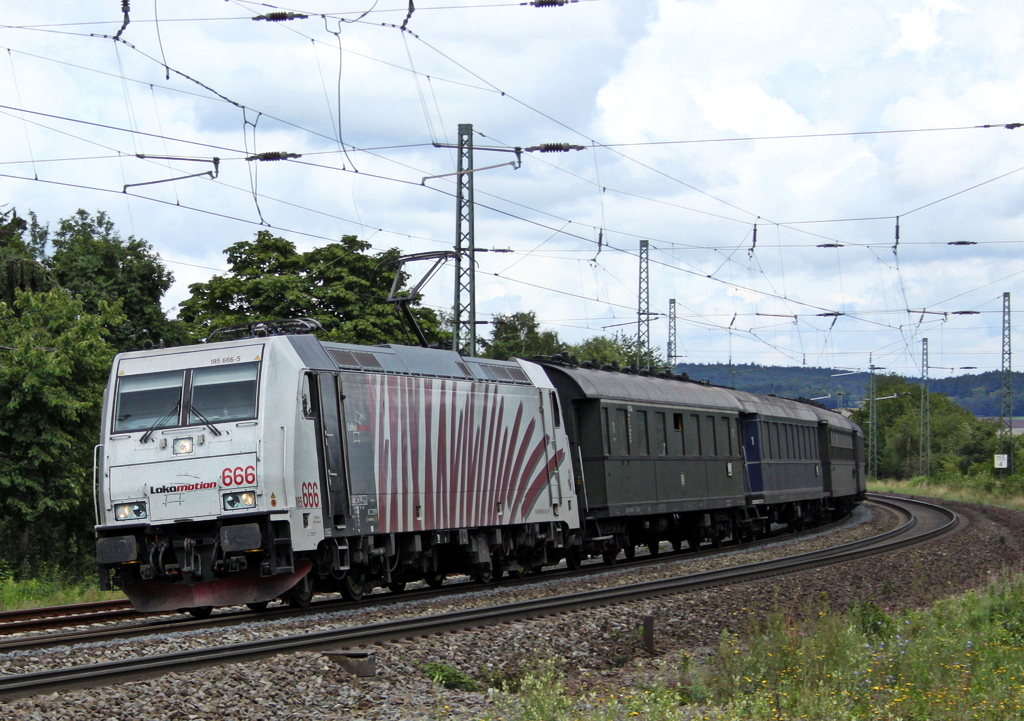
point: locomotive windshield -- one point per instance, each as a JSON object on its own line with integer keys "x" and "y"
{"x": 143, "y": 401}
{"x": 226, "y": 393}
{"x": 153, "y": 400}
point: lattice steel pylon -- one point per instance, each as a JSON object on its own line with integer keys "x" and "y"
{"x": 643, "y": 311}
{"x": 924, "y": 458}
{"x": 1006, "y": 394}
{"x": 671, "y": 332}
{"x": 464, "y": 326}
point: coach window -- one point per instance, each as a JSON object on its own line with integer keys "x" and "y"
{"x": 148, "y": 401}
{"x": 694, "y": 434}
{"x": 726, "y": 437}
{"x": 642, "y": 441}
{"x": 620, "y": 433}
{"x": 708, "y": 436}
{"x": 607, "y": 428}
{"x": 660, "y": 442}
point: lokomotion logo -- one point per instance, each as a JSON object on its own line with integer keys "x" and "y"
{"x": 182, "y": 489}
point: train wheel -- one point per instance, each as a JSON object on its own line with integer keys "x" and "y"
{"x": 483, "y": 573}
{"x": 353, "y": 585}
{"x": 572, "y": 560}
{"x": 654, "y": 547}
{"x": 258, "y": 607}
{"x": 629, "y": 551}
{"x": 693, "y": 539}
{"x": 609, "y": 556}
{"x": 434, "y": 580}
{"x": 301, "y": 594}
{"x": 396, "y": 586}
{"x": 201, "y": 611}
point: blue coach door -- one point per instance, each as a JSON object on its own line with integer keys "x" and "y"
{"x": 751, "y": 426}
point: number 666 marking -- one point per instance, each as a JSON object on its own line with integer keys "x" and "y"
{"x": 238, "y": 476}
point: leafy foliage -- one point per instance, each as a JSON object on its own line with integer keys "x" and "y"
{"x": 518, "y": 335}
{"x": 52, "y": 372}
{"x": 19, "y": 267}
{"x": 91, "y": 261}
{"x": 621, "y": 350}
{"x": 340, "y": 285}
{"x": 960, "y": 443}
{"x": 451, "y": 677}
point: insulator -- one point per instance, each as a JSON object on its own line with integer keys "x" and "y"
{"x": 279, "y": 16}
{"x": 547, "y": 3}
{"x": 554, "y": 147}
{"x": 274, "y": 155}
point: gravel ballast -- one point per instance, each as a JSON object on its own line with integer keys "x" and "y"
{"x": 601, "y": 648}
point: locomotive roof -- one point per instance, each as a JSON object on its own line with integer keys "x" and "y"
{"x": 600, "y": 384}
{"x": 412, "y": 360}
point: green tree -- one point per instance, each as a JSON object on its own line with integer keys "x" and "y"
{"x": 620, "y": 349}
{"x": 518, "y": 335}
{"x": 54, "y": 360}
{"x": 957, "y": 437}
{"x": 339, "y": 284}
{"x": 19, "y": 266}
{"x": 93, "y": 262}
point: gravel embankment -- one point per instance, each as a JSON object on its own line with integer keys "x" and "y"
{"x": 601, "y": 648}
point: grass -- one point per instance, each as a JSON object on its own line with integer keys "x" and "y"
{"x": 961, "y": 659}
{"x": 986, "y": 490}
{"x": 49, "y": 591}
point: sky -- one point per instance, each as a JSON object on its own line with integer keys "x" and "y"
{"x": 819, "y": 184}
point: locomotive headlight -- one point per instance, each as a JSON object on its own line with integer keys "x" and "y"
{"x": 235, "y": 501}
{"x": 130, "y": 511}
{"x": 182, "y": 446}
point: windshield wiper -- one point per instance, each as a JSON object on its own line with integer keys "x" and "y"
{"x": 161, "y": 421}
{"x": 195, "y": 411}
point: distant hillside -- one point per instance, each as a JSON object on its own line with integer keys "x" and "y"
{"x": 980, "y": 393}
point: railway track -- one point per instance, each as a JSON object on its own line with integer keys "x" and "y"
{"x": 37, "y": 619}
{"x": 921, "y": 522}
{"x": 49, "y": 620}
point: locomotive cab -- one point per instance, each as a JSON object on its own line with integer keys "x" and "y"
{"x": 189, "y": 498}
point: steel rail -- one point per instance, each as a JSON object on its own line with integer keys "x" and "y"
{"x": 34, "y": 619}
{"x": 109, "y": 672}
{"x": 176, "y": 622}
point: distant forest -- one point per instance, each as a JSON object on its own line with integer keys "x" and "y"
{"x": 978, "y": 393}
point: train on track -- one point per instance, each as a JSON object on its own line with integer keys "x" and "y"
{"x": 275, "y": 465}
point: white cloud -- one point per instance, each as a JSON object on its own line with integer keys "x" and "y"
{"x": 615, "y": 73}
{"x": 919, "y": 27}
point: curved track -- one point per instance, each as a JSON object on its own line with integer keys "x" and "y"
{"x": 921, "y": 522}
{"x": 88, "y": 617}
